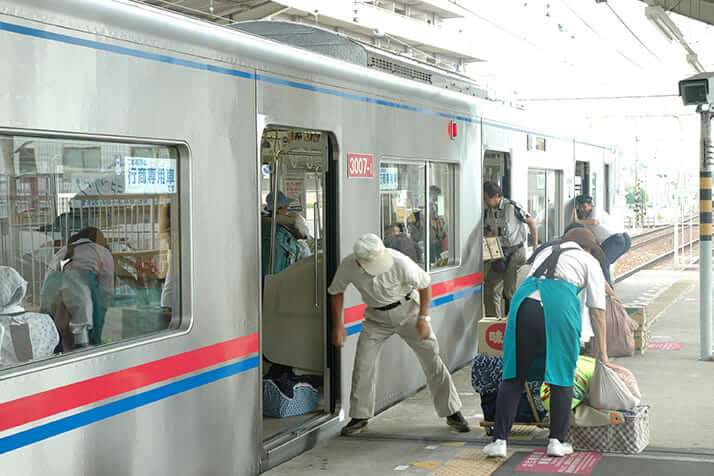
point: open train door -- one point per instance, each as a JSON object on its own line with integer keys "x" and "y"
{"x": 299, "y": 255}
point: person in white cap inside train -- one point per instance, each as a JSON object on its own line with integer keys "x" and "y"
{"x": 388, "y": 282}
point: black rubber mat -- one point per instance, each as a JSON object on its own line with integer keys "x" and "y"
{"x": 621, "y": 465}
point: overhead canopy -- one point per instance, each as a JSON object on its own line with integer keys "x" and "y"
{"x": 702, "y": 10}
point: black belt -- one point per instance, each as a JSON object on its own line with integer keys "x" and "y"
{"x": 394, "y": 305}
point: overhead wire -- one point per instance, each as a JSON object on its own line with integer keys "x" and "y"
{"x": 596, "y": 33}
{"x": 632, "y": 32}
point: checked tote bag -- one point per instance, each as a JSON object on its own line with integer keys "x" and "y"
{"x": 607, "y": 431}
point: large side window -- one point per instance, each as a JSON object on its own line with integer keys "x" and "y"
{"x": 441, "y": 215}
{"x": 419, "y": 219}
{"x": 404, "y": 220}
{"x": 88, "y": 244}
{"x": 544, "y": 202}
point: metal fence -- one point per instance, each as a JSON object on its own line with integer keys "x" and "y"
{"x": 34, "y": 231}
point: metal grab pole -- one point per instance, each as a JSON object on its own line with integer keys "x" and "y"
{"x": 705, "y": 236}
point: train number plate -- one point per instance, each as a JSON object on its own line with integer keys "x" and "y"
{"x": 360, "y": 165}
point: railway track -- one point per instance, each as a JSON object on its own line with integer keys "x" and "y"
{"x": 652, "y": 238}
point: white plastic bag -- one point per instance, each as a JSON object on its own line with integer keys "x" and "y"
{"x": 609, "y": 392}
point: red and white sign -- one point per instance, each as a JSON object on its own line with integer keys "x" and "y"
{"x": 664, "y": 346}
{"x": 494, "y": 336}
{"x": 576, "y": 463}
{"x": 360, "y": 165}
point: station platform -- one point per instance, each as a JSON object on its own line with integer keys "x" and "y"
{"x": 410, "y": 438}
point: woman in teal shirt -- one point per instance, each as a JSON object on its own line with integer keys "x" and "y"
{"x": 545, "y": 315}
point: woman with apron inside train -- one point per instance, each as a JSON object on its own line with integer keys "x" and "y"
{"x": 545, "y": 315}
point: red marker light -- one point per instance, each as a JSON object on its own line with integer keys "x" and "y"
{"x": 452, "y": 129}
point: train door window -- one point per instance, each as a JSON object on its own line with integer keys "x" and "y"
{"x": 497, "y": 168}
{"x": 441, "y": 215}
{"x": 594, "y": 191}
{"x": 297, "y": 239}
{"x": 92, "y": 236}
{"x": 26, "y": 157}
{"x": 403, "y": 209}
{"x": 608, "y": 180}
{"x": 545, "y": 201}
{"x": 582, "y": 178}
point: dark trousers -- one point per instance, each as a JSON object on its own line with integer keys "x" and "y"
{"x": 614, "y": 247}
{"x": 530, "y": 339}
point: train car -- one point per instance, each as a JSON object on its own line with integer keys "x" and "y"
{"x": 157, "y": 140}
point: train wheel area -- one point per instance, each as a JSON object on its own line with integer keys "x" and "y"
{"x": 409, "y": 437}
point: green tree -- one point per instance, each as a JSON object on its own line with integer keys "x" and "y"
{"x": 630, "y": 197}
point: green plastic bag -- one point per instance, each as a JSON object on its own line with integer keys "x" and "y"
{"x": 583, "y": 373}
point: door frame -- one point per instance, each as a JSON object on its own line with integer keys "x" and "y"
{"x": 276, "y": 448}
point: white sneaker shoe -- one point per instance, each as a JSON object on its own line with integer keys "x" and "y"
{"x": 556, "y": 448}
{"x": 496, "y": 448}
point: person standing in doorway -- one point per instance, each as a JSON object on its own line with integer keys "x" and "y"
{"x": 613, "y": 239}
{"x": 507, "y": 220}
{"x": 398, "y": 295}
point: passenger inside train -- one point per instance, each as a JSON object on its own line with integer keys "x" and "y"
{"x": 291, "y": 235}
{"x": 24, "y": 336}
{"x": 439, "y": 237}
{"x": 78, "y": 288}
{"x": 396, "y": 238}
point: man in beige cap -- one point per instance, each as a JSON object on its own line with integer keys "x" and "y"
{"x": 387, "y": 280}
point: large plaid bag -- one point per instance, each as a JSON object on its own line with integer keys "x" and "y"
{"x": 627, "y": 433}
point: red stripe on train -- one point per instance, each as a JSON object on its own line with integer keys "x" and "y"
{"x": 355, "y": 313}
{"x": 61, "y": 399}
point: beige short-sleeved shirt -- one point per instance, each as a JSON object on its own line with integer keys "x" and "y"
{"x": 383, "y": 289}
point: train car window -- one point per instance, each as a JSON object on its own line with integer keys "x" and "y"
{"x": 404, "y": 211}
{"x": 441, "y": 215}
{"x": 545, "y": 201}
{"x": 86, "y": 244}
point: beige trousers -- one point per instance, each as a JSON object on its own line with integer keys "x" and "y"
{"x": 495, "y": 281}
{"x": 377, "y": 327}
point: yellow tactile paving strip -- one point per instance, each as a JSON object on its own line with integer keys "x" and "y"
{"x": 471, "y": 462}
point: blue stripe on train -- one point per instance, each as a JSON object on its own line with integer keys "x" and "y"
{"x": 63, "y": 425}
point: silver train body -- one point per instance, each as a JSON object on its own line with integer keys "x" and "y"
{"x": 187, "y": 400}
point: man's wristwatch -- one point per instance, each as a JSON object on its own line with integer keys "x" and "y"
{"x": 426, "y": 318}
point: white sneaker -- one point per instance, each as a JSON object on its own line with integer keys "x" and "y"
{"x": 556, "y": 448}
{"x": 496, "y": 448}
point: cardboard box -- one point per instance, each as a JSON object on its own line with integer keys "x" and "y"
{"x": 638, "y": 314}
{"x": 641, "y": 341}
{"x": 492, "y": 249}
{"x": 491, "y": 332}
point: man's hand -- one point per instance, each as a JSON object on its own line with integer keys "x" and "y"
{"x": 575, "y": 215}
{"x": 423, "y": 329}
{"x": 339, "y": 334}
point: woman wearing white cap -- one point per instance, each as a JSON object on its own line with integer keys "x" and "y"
{"x": 387, "y": 280}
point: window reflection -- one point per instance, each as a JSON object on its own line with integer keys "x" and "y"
{"x": 90, "y": 227}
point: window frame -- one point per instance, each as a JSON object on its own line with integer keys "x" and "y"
{"x": 559, "y": 200}
{"x": 454, "y": 227}
{"x": 180, "y": 237}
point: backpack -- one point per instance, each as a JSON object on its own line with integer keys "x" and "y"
{"x": 288, "y": 250}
